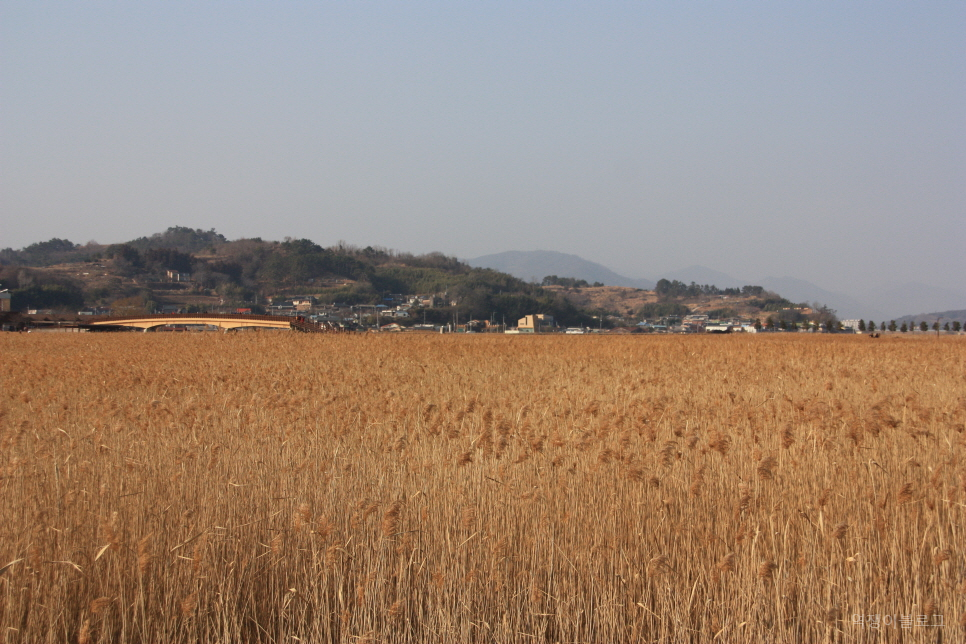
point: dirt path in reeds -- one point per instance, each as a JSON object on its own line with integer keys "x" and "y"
{"x": 287, "y": 488}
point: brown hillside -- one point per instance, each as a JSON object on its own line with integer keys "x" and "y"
{"x": 623, "y": 300}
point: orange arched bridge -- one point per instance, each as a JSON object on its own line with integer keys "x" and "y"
{"x": 226, "y": 321}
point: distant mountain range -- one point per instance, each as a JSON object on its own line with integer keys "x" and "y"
{"x": 915, "y": 299}
{"x": 940, "y": 316}
{"x": 534, "y": 265}
{"x": 886, "y": 304}
{"x": 798, "y": 290}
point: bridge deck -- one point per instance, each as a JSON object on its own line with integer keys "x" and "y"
{"x": 220, "y": 320}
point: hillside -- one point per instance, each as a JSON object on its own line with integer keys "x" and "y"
{"x": 199, "y": 270}
{"x": 633, "y": 303}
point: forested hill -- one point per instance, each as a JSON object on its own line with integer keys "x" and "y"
{"x": 59, "y": 274}
{"x": 201, "y": 270}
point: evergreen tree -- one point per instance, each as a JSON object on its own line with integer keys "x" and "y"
{"x": 871, "y": 326}
{"x": 862, "y": 326}
{"x": 892, "y": 325}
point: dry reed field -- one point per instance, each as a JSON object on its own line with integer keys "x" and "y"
{"x": 276, "y": 487}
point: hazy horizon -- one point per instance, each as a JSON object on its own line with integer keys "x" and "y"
{"x": 820, "y": 141}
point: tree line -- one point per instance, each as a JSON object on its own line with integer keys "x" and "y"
{"x": 954, "y": 326}
{"x": 568, "y": 282}
{"x": 674, "y": 288}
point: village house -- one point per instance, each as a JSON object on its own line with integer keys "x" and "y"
{"x": 694, "y": 323}
{"x": 535, "y": 323}
{"x": 176, "y": 276}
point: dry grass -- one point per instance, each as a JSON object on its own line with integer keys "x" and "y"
{"x": 284, "y": 488}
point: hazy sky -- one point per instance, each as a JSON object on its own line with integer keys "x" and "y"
{"x": 822, "y": 140}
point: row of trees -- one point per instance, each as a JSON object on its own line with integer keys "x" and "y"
{"x": 674, "y": 288}
{"x": 871, "y": 327}
{"x": 567, "y": 282}
{"x": 53, "y": 251}
{"x": 59, "y": 251}
{"x": 129, "y": 260}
